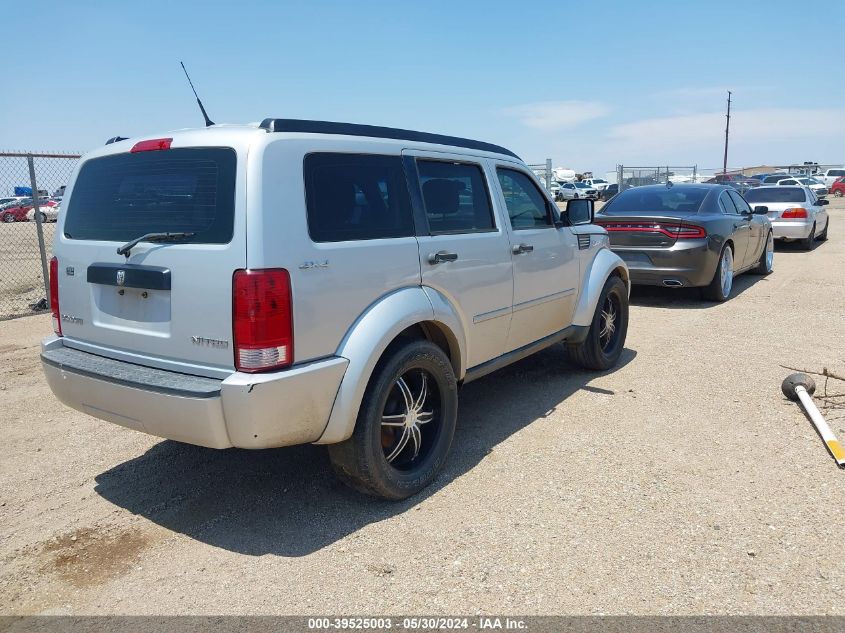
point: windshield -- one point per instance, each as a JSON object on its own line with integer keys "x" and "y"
{"x": 775, "y": 194}
{"x": 598, "y": 181}
{"x": 582, "y": 185}
{"x": 646, "y": 200}
{"x": 124, "y": 196}
{"x": 809, "y": 181}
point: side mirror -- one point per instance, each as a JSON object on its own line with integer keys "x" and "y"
{"x": 761, "y": 210}
{"x": 821, "y": 202}
{"x": 580, "y": 211}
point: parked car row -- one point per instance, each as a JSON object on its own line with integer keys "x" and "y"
{"x": 17, "y": 209}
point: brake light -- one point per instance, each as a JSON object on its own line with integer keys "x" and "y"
{"x": 262, "y": 319}
{"x": 54, "y": 295}
{"x": 152, "y": 145}
{"x": 669, "y": 229}
{"x": 794, "y": 213}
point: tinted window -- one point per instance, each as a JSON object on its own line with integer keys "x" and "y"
{"x": 836, "y": 172}
{"x": 787, "y": 182}
{"x": 124, "y": 196}
{"x": 741, "y": 204}
{"x": 527, "y": 207}
{"x": 455, "y": 196}
{"x": 727, "y": 204}
{"x": 775, "y": 194}
{"x": 356, "y": 197}
{"x": 668, "y": 200}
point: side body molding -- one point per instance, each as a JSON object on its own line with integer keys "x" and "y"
{"x": 368, "y": 338}
{"x": 600, "y": 268}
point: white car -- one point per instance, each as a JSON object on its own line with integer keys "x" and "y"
{"x": 599, "y": 184}
{"x": 554, "y": 189}
{"x": 805, "y": 181}
{"x": 828, "y": 177}
{"x": 796, "y": 213}
{"x": 48, "y": 214}
{"x": 575, "y": 190}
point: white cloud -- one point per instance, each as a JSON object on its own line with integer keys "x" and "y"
{"x": 766, "y": 130}
{"x": 556, "y": 115}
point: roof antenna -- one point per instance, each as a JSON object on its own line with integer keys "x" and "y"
{"x": 208, "y": 122}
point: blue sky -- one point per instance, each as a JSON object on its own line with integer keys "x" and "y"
{"x": 589, "y": 84}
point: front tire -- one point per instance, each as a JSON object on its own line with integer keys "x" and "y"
{"x": 405, "y": 424}
{"x": 606, "y": 337}
{"x": 719, "y": 288}
{"x": 765, "y": 265}
{"x": 8, "y": 218}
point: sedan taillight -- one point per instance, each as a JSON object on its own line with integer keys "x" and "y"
{"x": 794, "y": 213}
{"x": 669, "y": 229}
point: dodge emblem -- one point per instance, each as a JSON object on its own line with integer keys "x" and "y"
{"x": 121, "y": 277}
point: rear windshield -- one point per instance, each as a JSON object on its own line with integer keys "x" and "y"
{"x": 674, "y": 201}
{"x": 775, "y": 194}
{"x": 124, "y": 196}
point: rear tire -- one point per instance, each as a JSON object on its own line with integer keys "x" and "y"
{"x": 808, "y": 242}
{"x": 837, "y": 193}
{"x": 717, "y": 290}
{"x": 765, "y": 264}
{"x": 823, "y": 235}
{"x": 8, "y": 218}
{"x": 606, "y": 337}
{"x": 412, "y": 397}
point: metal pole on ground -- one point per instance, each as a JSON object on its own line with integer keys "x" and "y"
{"x": 39, "y": 229}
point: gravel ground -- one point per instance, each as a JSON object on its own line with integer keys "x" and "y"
{"x": 680, "y": 483}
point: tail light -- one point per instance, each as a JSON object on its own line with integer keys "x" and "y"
{"x": 669, "y": 229}
{"x": 54, "y": 295}
{"x": 262, "y": 319}
{"x": 794, "y": 213}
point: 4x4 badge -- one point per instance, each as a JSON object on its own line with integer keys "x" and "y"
{"x": 121, "y": 277}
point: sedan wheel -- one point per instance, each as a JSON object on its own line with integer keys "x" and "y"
{"x": 8, "y": 217}
{"x": 719, "y": 289}
{"x": 837, "y": 193}
{"x": 765, "y": 265}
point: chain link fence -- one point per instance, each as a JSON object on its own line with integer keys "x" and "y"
{"x": 628, "y": 177}
{"x": 543, "y": 172}
{"x": 31, "y": 190}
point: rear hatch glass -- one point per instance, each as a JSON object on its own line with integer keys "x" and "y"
{"x": 123, "y": 196}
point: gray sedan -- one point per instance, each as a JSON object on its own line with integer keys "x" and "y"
{"x": 688, "y": 235}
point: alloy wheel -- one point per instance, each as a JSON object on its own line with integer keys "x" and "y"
{"x": 410, "y": 422}
{"x": 609, "y": 323}
{"x": 727, "y": 272}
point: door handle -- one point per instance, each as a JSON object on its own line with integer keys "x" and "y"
{"x": 519, "y": 249}
{"x": 441, "y": 256}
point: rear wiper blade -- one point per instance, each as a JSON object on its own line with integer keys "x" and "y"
{"x": 152, "y": 237}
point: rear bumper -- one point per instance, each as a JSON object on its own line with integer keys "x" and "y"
{"x": 244, "y": 410}
{"x": 686, "y": 263}
{"x": 791, "y": 229}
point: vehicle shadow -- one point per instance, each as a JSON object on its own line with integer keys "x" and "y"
{"x": 287, "y": 502}
{"x": 688, "y": 298}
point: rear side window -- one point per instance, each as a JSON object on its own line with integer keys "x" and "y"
{"x": 739, "y": 201}
{"x": 356, "y": 197}
{"x": 124, "y": 196}
{"x": 455, "y": 196}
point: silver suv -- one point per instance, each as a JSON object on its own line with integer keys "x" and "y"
{"x": 313, "y": 282}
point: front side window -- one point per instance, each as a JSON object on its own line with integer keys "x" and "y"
{"x": 526, "y": 206}
{"x": 356, "y": 197}
{"x": 727, "y": 204}
{"x": 739, "y": 201}
{"x": 455, "y": 196}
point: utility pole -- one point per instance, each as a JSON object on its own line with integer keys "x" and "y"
{"x": 727, "y": 132}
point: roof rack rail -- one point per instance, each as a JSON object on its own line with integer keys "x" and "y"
{"x": 376, "y": 131}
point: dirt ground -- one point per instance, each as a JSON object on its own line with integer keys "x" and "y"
{"x": 680, "y": 483}
{"x": 22, "y": 283}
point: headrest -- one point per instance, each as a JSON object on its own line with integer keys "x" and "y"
{"x": 442, "y": 195}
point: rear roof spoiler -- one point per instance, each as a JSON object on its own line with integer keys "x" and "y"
{"x": 375, "y": 131}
